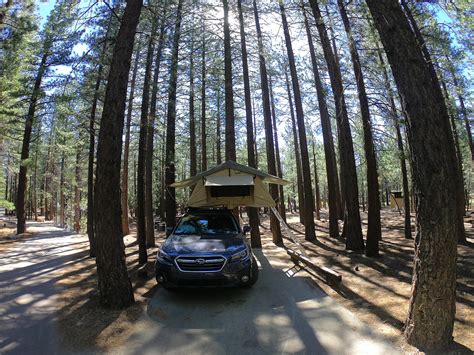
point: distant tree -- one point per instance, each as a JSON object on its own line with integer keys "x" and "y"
{"x": 352, "y": 223}
{"x": 229, "y": 93}
{"x": 126, "y": 149}
{"x": 171, "y": 124}
{"x": 310, "y": 233}
{"x": 142, "y": 232}
{"x": 374, "y": 228}
{"x": 251, "y": 211}
{"x": 55, "y": 50}
{"x": 329, "y": 152}
{"x": 267, "y": 116}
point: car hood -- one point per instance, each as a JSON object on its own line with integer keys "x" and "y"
{"x": 193, "y": 244}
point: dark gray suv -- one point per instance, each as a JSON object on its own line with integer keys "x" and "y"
{"x": 207, "y": 248}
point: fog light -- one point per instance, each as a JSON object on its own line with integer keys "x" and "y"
{"x": 160, "y": 278}
{"x": 245, "y": 278}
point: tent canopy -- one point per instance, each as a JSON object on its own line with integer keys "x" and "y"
{"x": 230, "y": 184}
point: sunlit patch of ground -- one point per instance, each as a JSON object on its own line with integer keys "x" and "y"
{"x": 376, "y": 290}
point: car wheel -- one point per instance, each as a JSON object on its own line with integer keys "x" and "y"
{"x": 253, "y": 274}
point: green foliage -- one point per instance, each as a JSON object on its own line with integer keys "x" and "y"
{"x": 7, "y": 204}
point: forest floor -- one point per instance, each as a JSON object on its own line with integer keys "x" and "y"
{"x": 376, "y": 290}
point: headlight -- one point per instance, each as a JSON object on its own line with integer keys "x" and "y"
{"x": 240, "y": 255}
{"x": 163, "y": 256}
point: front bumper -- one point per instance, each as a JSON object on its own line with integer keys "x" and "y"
{"x": 230, "y": 275}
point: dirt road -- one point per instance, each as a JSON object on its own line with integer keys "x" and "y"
{"x": 283, "y": 313}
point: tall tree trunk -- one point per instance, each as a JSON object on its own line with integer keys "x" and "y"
{"x": 452, "y": 114}
{"x": 35, "y": 184}
{"x": 329, "y": 152}
{"x": 229, "y": 93}
{"x": 218, "y": 128}
{"x": 150, "y": 135}
{"x": 352, "y": 222}
{"x": 429, "y": 324}
{"x": 255, "y": 134}
{"x": 170, "y": 175}
{"x": 299, "y": 174}
{"x": 192, "y": 118}
{"x": 77, "y": 191}
{"x": 251, "y": 211}
{"x": 274, "y": 224}
{"x": 62, "y": 197}
{"x": 306, "y": 170}
{"x": 281, "y": 198}
{"x": 374, "y": 228}
{"x": 203, "y": 106}
{"x": 317, "y": 205}
{"x": 142, "y": 232}
{"x": 25, "y": 149}
{"x": 91, "y": 155}
{"x": 429, "y": 63}
{"x": 126, "y": 149}
{"x": 162, "y": 181}
{"x": 114, "y": 285}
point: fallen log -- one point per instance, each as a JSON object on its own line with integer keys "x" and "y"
{"x": 332, "y": 277}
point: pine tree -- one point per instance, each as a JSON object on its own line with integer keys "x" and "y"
{"x": 430, "y": 320}
{"x": 114, "y": 285}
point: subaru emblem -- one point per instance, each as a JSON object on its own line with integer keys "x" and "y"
{"x": 200, "y": 261}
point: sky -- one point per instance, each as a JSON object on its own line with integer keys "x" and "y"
{"x": 45, "y": 7}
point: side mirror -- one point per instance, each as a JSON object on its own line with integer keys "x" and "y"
{"x": 169, "y": 230}
{"x": 247, "y": 229}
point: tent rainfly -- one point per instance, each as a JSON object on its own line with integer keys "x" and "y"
{"x": 230, "y": 184}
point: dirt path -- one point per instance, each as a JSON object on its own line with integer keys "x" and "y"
{"x": 285, "y": 312}
{"x": 29, "y": 269}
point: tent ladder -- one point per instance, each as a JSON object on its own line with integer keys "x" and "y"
{"x": 288, "y": 230}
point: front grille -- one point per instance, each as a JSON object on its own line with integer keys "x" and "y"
{"x": 200, "y": 263}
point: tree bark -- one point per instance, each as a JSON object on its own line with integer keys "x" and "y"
{"x": 352, "y": 223}
{"x": 142, "y": 232}
{"x": 62, "y": 197}
{"x": 274, "y": 224}
{"x": 299, "y": 174}
{"x": 429, "y": 324}
{"x": 229, "y": 93}
{"x": 374, "y": 228}
{"x": 170, "y": 175}
{"x": 306, "y": 169}
{"x": 317, "y": 205}
{"x": 255, "y": 239}
{"x": 150, "y": 136}
{"x": 114, "y": 285}
{"x": 429, "y": 63}
{"x": 203, "y": 106}
{"x": 281, "y": 196}
{"x": 25, "y": 149}
{"x": 77, "y": 192}
{"x": 126, "y": 150}
{"x": 329, "y": 152}
{"x": 192, "y": 118}
{"x": 90, "y": 167}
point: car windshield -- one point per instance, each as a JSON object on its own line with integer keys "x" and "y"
{"x": 206, "y": 225}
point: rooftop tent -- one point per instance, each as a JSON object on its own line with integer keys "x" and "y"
{"x": 230, "y": 184}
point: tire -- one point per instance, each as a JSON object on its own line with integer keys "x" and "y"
{"x": 253, "y": 274}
